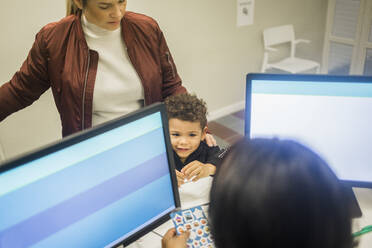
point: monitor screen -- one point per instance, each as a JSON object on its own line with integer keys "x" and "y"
{"x": 330, "y": 114}
{"x": 94, "y": 189}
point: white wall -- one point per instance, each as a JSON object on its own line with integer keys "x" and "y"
{"x": 212, "y": 54}
{"x": 38, "y": 124}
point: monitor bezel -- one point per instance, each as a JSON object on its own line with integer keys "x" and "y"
{"x": 97, "y": 130}
{"x": 316, "y": 78}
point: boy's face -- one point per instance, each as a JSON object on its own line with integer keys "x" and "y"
{"x": 185, "y": 136}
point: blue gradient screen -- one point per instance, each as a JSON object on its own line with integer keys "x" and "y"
{"x": 332, "y": 118}
{"x": 91, "y": 194}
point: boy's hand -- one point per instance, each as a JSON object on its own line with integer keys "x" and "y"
{"x": 198, "y": 170}
{"x": 171, "y": 240}
{"x": 210, "y": 140}
{"x": 180, "y": 178}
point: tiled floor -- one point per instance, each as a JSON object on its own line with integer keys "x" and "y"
{"x": 228, "y": 129}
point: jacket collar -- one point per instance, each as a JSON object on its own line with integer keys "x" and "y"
{"x": 126, "y": 30}
{"x": 79, "y": 29}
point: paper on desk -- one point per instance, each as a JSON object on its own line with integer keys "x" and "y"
{"x": 195, "y": 193}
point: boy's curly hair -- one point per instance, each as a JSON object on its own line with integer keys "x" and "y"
{"x": 187, "y": 107}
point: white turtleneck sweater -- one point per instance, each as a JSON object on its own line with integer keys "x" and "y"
{"x": 118, "y": 89}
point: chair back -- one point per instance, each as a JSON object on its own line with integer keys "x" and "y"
{"x": 278, "y": 35}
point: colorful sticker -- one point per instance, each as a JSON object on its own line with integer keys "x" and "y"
{"x": 188, "y": 216}
{"x": 178, "y": 218}
{"x": 194, "y": 221}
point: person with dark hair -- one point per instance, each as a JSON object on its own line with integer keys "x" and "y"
{"x": 275, "y": 193}
{"x": 188, "y": 127}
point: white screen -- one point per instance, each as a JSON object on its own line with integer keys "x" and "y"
{"x": 332, "y": 118}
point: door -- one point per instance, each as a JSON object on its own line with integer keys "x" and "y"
{"x": 365, "y": 65}
{"x": 348, "y": 41}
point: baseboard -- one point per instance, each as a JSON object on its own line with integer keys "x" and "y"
{"x": 226, "y": 110}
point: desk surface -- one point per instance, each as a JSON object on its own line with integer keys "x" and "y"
{"x": 193, "y": 194}
{"x": 364, "y": 197}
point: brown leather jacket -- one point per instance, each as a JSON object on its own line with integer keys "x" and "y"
{"x": 60, "y": 59}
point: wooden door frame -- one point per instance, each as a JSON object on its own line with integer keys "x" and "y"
{"x": 355, "y": 43}
{"x": 364, "y": 43}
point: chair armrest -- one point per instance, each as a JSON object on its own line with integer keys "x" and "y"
{"x": 270, "y": 49}
{"x": 301, "y": 41}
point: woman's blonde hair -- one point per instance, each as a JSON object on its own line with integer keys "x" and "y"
{"x": 71, "y": 8}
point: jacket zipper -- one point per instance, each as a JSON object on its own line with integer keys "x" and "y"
{"x": 85, "y": 87}
{"x": 170, "y": 63}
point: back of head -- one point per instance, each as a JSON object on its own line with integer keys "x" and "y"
{"x": 273, "y": 193}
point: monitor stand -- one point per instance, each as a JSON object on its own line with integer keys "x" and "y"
{"x": 356, "y": 212}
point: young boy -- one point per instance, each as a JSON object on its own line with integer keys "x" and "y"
{"x": 187, "y": 126}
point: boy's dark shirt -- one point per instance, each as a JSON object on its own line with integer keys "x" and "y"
{"x": 204, "y": 154}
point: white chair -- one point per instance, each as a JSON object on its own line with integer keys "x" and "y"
{"x": 283, "y": 34}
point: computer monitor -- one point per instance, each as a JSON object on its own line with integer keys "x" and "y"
{"x": 330, "y": 114}
{"x": 100, "y": 188}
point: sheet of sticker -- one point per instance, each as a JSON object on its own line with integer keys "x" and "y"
{"x": 195, "y": 221}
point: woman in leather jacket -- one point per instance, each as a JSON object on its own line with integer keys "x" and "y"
{"x": 100, "y": 62}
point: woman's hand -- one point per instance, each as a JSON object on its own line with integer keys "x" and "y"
{"x": 180, "y": 178}
{"x": 197, "y": 170}
{"x": 171, "y": 240}
{"x": 210, "y": 140}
